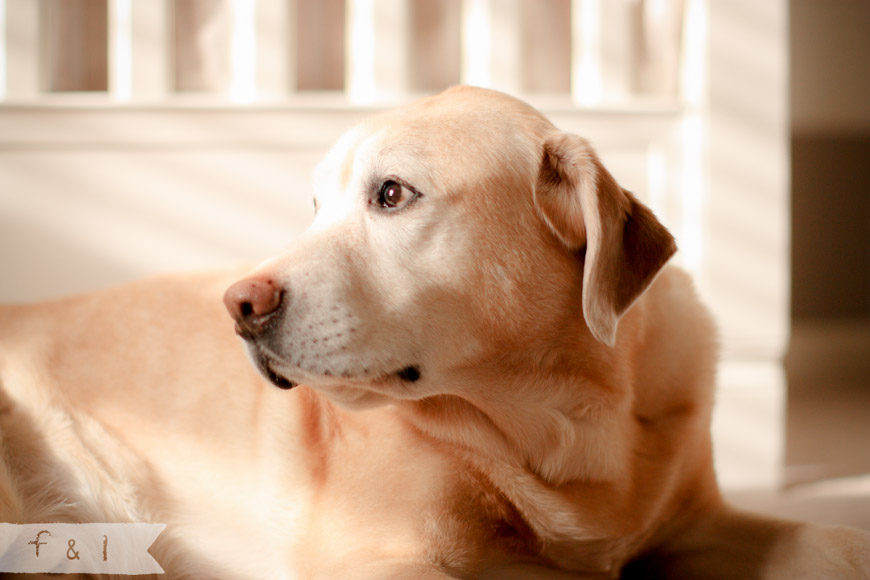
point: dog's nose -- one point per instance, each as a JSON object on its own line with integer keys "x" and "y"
{"x": 252, "y": 302}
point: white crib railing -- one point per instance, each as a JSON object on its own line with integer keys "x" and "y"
{"x": 596, "y": 51}
{"x": 119, "y": 118}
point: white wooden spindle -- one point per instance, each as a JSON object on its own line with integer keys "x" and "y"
{"x": 120, "y": 49}
{"x": 377, "y": 48}
{"x": 507, "y": 58}
{"x": 22, "y": 79}
{"x": 691, "y": 61}
{"x": 692, "y": 68}
{"x": 665, "y": 32}
{"x": 476, "y": 43}
{"x": 2, "y": 49}
{"x": 151, "y": 48}
{"x": 586, "y": 85}
{"x": 491, "y": 50}
{"x": 139, "y": 49}
{"x": 243, "y": 51}
{"x": 618, "y": 49}
{"x": 275, "y": 54}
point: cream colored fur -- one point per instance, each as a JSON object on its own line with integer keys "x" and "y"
{"x": 557, "y": 425}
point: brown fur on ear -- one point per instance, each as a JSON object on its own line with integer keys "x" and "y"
{"x": 625, "y": 244}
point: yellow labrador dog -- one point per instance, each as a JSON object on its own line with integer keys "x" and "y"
{"x": 485, "y": 370}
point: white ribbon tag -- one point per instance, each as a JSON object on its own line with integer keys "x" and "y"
{"x": 79, "y": 548}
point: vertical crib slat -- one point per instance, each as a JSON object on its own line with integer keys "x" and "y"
{"x": 22, "y": 49}
{"x": 506, "y": 56}
{"x": 586, "y": 86}
{"x": 662, "y": 51}
{"x": 120, "y": 49}
{"x": 151, "y": 48}
{"x": 618, "y": 38}
{"x": 2, "y": 49}
{"x": 275, "y": 54}
{"x": 377, "y": 49}
{"x": 139, "y": 49}
{"x": 243, "y": 47}
{"x": 491, "y": 35}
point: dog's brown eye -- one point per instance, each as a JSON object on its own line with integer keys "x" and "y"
{"x": 394, "y": 195}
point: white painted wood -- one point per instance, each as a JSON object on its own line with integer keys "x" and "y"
{"x": 619, "y": 49}
{"x": 22, "y": 80}
{"x": 139, "y": 49}
{"x": 743, "y": 135}
{"x": 491, "y": 51}
{"x": 749, "y": 424}
{"x": 275, "y": 53}
{"x": 506, "y": 59}
{"x": 746, "y": 163}
{"x": 661, "y": 46}
{"x": 2, "y": 49}
{"x": 586, "y": 77}
{"x": 243, "y": 51}
{"x": 377, "y": 50}
{"x": 120, "y": 14}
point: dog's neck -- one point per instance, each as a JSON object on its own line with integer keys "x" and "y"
{"x": 542, "y": 456}
{"x": 560, "y": 423}
{"x": 540, "y": 452}
{"x": 552, "y": 401}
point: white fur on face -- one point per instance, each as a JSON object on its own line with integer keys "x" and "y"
{"x": 370, "y": 292}
{"x": 366, "y": 288}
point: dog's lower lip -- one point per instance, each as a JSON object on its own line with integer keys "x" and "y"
{"x": 280, "y": 381}
{"x": 408, "y": 374}
{"x": 276, "y": 379}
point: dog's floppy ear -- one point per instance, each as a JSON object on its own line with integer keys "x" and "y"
{"x": 625, "y": 245}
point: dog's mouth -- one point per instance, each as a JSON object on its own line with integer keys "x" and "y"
{"x": 277, "y": 379}
{"x": 266, "y": 365}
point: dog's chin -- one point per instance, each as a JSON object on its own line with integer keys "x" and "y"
{"x": 283, "y": 377}
{"x": 276, "y": 378}
{"x": 266, "y": 367}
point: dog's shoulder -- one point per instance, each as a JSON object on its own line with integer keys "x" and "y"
{"x": 671, "y": 335}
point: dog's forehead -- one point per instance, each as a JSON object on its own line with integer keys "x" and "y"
{"x": 458, "y": 122}
{"x": 461, "y": 131}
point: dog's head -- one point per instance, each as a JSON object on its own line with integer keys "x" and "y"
{"x": 462, "y": 230}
